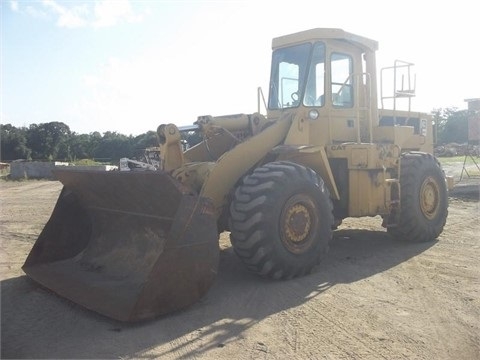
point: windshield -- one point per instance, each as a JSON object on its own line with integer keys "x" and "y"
{"x": 289, "y": 76}
{"x": 288, "y": 73}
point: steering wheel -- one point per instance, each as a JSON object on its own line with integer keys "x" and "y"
{"x": 295, "y": 98}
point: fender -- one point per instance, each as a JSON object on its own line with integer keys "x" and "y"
{"x": 313, "y": 157}
{"x": 232, "y": 165}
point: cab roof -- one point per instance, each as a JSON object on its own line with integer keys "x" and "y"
{"x": 325, "y": 33}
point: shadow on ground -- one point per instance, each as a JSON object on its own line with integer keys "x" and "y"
{"x": 467, "y": 190}
{"x": 38, "y": 324}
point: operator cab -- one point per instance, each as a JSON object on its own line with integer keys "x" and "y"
{"x": 315, "y": 68}
{"x": 326, "y": 78}
{"x": 299, "y": 77}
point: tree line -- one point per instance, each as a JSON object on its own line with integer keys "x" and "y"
{"x": 55, "y": 140}
{"x": 451, "y": 125}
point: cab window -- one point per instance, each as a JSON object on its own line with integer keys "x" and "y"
{"x": 289, "y": 68}
{"x": 341, "y": 67}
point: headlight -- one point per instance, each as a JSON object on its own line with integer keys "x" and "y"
{"x": 313, "y": 114}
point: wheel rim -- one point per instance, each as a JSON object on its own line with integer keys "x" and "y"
{"x": 297, "y": 223}
{"x": 429, "y": 197}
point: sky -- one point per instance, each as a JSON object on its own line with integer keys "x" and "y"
{"x": 128, "y": 66}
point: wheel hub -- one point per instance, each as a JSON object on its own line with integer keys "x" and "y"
{"x": 297, "y": 221}
{"x": 429, "y": 198}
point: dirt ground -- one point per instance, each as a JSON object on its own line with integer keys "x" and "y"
{"x": 371, "y": 298}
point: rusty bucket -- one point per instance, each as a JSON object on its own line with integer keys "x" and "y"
{"x": 128, "y": 245}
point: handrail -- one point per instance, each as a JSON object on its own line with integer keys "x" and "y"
{"x": 260, "y": 95}
{"x": 408, "y": 92}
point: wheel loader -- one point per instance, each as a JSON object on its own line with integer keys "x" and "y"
{"x": 141, "y": 242}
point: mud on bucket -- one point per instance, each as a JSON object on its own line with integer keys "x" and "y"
{"x": 128, "y": 245}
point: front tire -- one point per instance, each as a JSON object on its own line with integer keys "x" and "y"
{"x": 281, "y": 220}
{"x": 423, "y": 199}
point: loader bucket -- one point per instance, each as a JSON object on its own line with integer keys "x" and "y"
{"x": 128, "y": 245}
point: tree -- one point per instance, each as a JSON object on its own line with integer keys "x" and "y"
{"x": 49, "y": 140}
{"x": 114, "y": 146}
{"x": 13, "y": 143}
{"x": 451, "y": 125}
{"x": 81, "y": 146}
{"x": 143, "y": 141}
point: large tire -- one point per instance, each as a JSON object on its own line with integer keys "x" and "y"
{"x": 281, "y": 220}
{"x": 423, "y": 199}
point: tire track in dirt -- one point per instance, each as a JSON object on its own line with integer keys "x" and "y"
{"x": 320, "y": 327}
{"x": 445, "y": 328}
{"x": 371, "y": 298}
{"x": 343, "y": 331}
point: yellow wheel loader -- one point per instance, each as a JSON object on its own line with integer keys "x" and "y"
{"x": 137, "y": 243}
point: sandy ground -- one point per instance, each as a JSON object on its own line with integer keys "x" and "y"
{"x": 371, "y": 298}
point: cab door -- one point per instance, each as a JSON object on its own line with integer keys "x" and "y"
{"x": 344, "y": 97}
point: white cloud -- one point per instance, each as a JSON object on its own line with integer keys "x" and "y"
{"x": 68, "y": 17}
{"x": 36, "y": 13}
{"x": 126, "y": 95}
{"x": 14, "y": 5}
{"x": 96, "y": 14}
{"x": 110, "y": 12}
{"x": 133, "y": 95}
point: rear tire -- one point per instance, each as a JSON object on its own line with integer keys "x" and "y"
{"x": 424, "y": 199}
{"x": 281, "y": 220}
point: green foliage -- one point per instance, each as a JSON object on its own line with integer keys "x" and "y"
{"x": 451, "y": 125}
{"x": 55, "y": 141}
{"x": 86, "y": 162}
{"x": 447, "y": 160}
{"x": 114, "y": 146}
{"x": 81, "y": 146}
{"x": 14, "y": 143}
{"x": 143, "y": 141}
{"x": 49, "y": 140}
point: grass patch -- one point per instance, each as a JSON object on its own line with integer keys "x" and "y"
{"x": 452, "y": 159}
{"x": 86, "y": 162}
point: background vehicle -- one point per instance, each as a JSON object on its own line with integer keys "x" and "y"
{"x": 135, "y": 244}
